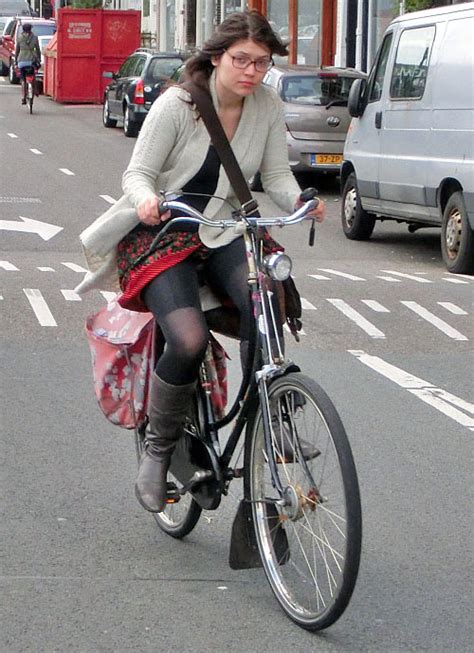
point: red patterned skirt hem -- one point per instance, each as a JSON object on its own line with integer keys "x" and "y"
{"x": 139, "y": 278}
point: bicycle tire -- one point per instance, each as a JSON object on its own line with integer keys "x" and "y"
{"x": 179, "y": 519}
{"x": 323, "y": 585}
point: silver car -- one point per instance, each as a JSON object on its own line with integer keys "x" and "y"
{"x": 316, "y": 113}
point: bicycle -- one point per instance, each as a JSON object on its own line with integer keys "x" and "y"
{"x": 30, "y": 81}
{"x": 300, "y": 516}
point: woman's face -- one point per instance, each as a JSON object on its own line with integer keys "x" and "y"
{"x": 240, "y": 81}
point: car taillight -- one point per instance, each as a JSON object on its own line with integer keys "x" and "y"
{"x": 139, "y": 96}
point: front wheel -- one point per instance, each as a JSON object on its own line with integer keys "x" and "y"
{"x": 310, "y": 546}
{"x": 106, "y": 119}
{"x": 357, "y": 224}
{"x": 457, "y": 236}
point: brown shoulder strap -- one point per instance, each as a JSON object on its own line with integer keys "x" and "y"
{"x": 203, "y": 101}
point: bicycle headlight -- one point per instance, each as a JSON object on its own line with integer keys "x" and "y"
{"x": 278, "y": 266}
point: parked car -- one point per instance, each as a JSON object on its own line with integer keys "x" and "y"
{"x": 316, "y": 113}
{"x": 409, "y": 153}
{"x": 41, "y": 27}
{"x": 4, "y": 23}
{"x": 15, "y": 8}
{"x": 136, "y": 86}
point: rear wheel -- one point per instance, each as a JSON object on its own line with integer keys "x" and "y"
{"x": 130, "y": 127}
{"x": 30, "y": 95}
{"x": 457, "y": 236}
{"x": 357, "y": 224}
{"x": 106, "y": 119}
{"x": 310, "y": 547}
{"x": 177, "y": 519}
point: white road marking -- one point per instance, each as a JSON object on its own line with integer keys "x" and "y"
{"x": 319, "y": 277}
{"x": 353, "y": 277}
{"x": 357, "y": 318}
{"x": 454, "y": 280}
{"x": 1, "y": 297}
{"x": 9, "y": 267}
{"x": 438, "y": 398}
{"x": 389, "y": 279}
{"x": 108, "y": 199}
{"x": 71, "y": 296}
{"x": 40, "y": 307}
{"x": 44, "y": 230}
{"x": 24, "y": 200}
{"x": 306, "y": 305}
{"x": 437, "y": 322}
{"x": 46, "y": 269}
{"x": 35, "y": 151}
{"x": 12, "y": 135}
{"x": 66, "y": 171}
{"x": 404, "y": 275}
{"x": 452, "y": 308}
{"x": 464, "y": 276}
{"x": 74, "y": 267}
{"x": 108, "y": 295}
{"x": 375, "y": 306}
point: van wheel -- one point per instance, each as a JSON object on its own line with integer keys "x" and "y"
{"x": 457, "y": 237}
{"x": 357, "y": 224}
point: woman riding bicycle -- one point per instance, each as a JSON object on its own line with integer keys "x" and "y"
{"x": 27, "y": 54}
{"x": 173, "y": 151}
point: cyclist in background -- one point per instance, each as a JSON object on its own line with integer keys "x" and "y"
{"x": 28, "y": 55}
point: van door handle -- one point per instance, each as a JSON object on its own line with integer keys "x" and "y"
{"x": 378, "y": 119}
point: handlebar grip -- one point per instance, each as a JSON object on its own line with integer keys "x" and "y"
{"x": 308, "y": 194}
{"x": 162, "y": 207}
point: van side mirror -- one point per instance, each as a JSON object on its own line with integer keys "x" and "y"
{"x": 356, "y": 102}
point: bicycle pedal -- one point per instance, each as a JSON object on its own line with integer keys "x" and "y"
{"x": 172, "y": 493}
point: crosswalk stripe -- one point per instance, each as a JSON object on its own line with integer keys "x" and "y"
{"x": 66, "y": 171}
{"x": 319, "y": 277}
{"x": 404, "y": 275}
{"x": 357, "y": 318}
{"x": 438, "y": 398}
{"x": 452, "y": 308}
{"x": 46, "y": 269}
{"x": 375, "y": 306}
{"x": 434, "y": 320}
{"x": 389, "y": 279}
{"x": 9, "y": 267}
{"x": 71, "y": 296}
{"x": 74, "y": 267}
{"x": 35, "y": 151}
{"x": 40, "y": 307}
{"x": 306, "y": 305}
{"x": 345, "y": 275}
{"x": 454, "y": 280}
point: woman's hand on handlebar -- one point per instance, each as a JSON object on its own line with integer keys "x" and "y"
{"x": 149, "y": 212}
{"x": 318, "y": 213}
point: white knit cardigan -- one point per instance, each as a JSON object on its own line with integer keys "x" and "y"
{"x": 170, "y": 150}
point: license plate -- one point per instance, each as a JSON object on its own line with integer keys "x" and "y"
{"x": 326, "y": 159}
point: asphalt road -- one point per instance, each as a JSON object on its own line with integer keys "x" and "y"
{"x": 388, "y": 334}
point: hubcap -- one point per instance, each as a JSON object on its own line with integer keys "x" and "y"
{"x": 453, "y": 233}
{"x": 297, "y": 501}
{"x": 350, "y": 205}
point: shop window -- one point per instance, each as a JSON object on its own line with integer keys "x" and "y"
{"x": 410, "y": 69}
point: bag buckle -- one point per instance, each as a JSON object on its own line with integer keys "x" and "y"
{"x": 249, "y": 207}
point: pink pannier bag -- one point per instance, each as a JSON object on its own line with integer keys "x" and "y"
{"x": 121, "y": 344}
{"x": 122, "y": 350}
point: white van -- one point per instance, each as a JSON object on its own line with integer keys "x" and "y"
{"x": 409, "y": 152}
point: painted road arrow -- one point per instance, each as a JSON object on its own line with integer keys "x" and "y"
{"x": 43, "y": 229}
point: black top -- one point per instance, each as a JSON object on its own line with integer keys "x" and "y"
{"x": 205, "y": 182}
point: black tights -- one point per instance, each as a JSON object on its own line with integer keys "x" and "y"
{"x": 173, "y": 298}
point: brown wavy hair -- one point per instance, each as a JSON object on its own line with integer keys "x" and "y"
{"x": 239, "y": 26}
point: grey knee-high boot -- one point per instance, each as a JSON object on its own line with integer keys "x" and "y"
{"x": 167, "y": 411}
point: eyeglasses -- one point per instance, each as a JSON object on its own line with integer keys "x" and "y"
{"x": 242, "y": 62}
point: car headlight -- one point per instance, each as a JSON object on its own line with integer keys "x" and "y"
{"x": 278, "y": 266}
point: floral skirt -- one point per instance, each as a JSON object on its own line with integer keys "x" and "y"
{"x": 172, "y": 249}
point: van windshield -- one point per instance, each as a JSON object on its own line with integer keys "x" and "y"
{"x": 316, "y": 89}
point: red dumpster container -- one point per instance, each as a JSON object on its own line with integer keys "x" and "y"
{"x": 88, "y": 42}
